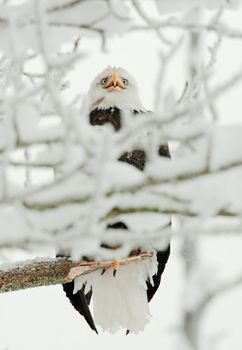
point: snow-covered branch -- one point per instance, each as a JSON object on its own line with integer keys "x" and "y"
{"x": 73, "y": 150}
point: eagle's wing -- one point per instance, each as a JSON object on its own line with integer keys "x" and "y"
{"x": 162, "y": 258}
{"x": 104, "y": 116}
{"x": 81, "y": 302}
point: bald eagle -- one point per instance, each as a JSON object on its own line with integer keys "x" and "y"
{"x": 120, "y": 301}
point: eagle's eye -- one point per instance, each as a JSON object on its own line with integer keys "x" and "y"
{"x": 104, "y": 81}
{"x": 125, "y": 81}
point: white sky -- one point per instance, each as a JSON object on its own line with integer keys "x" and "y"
{"x": 43, "y": 318}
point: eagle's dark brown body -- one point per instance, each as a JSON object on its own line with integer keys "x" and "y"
{"x": 136, "y": 158}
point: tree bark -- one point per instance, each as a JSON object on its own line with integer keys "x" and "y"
{"x": 50, "y": 271}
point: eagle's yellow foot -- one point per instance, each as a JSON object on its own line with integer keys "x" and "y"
{"x": 115, "y": 265}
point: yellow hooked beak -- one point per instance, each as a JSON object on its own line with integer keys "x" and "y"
{"x": 115, "y": 83}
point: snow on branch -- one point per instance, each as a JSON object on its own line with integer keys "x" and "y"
{"x": 41, "y": 132}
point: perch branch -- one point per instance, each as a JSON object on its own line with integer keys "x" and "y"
{"x": 44, "y": 272}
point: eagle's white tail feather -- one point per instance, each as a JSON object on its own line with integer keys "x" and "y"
{"x": 120, "y": 301}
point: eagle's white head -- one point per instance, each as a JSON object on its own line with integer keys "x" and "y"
{"x": 115, "y": 87}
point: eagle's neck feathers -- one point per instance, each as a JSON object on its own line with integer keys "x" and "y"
{"x": 122, "y": 101}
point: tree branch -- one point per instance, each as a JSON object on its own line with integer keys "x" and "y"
{"x": 193, "y": 318}
{"x": 146, "y": 184}
{"x": 50, "y": 271}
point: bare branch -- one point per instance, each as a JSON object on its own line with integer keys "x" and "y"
{"x": 44, "y": 272}
{"x": 222, "y": 29}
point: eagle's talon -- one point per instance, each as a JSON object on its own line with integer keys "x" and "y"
{"x": 105, "y": 268}
{"x": 116, "y": 265}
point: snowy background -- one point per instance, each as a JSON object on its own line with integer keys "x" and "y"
{"x": 43, "y": 317}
